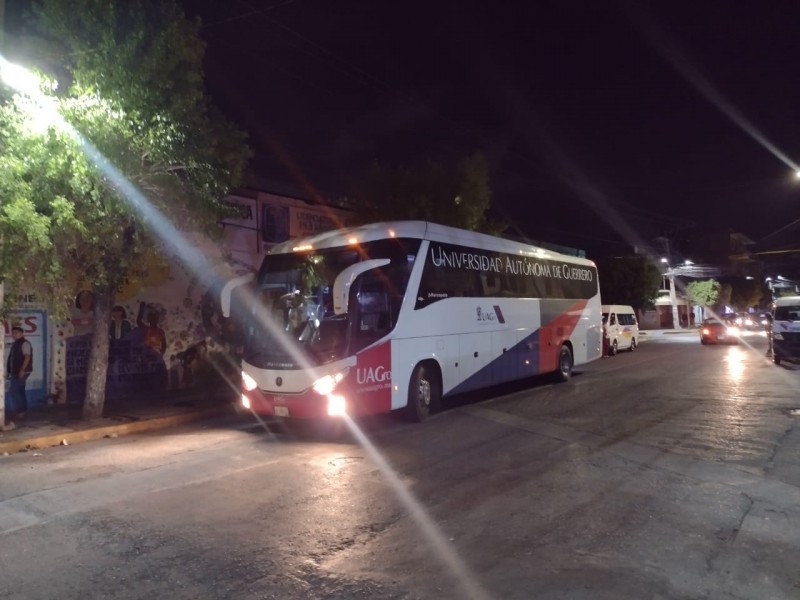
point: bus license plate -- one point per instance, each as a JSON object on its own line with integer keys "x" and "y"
{"x": 281, "y": 411}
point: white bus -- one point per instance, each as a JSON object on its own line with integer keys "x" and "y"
{"x": 396, "y": 315}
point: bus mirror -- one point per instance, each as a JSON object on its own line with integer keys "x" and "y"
{"x": 341, "y": 287}
{"x": 227, "y": 292}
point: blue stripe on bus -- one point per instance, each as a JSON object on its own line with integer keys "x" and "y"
{"x": 509, "y": 366}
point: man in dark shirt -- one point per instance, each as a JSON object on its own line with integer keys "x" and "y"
{"x": 18, "y": 368}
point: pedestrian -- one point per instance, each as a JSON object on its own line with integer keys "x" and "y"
{"x": 18, "y": 367}
{"x": 119, "y": 328}
{"x": 767, "y": 322}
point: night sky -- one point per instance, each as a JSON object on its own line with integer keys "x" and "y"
{"x": 648, "y": 112}
{"x": 601, "y": 120}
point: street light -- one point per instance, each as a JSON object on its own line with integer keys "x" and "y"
{"x": 19, "y": 78}
{"x": 673, "y": 297}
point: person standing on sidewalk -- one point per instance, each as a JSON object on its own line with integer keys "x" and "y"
{"x": 18, "y": 367}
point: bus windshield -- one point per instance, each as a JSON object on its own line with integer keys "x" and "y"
{"x": 294, "y": 319}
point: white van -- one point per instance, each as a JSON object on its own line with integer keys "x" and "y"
{"x": 621, "y": 327}
{"x": 785, "y": 332}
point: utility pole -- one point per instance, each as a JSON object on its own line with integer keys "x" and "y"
{"x": 673, "y": 300}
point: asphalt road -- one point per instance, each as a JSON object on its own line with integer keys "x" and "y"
{"x": 672, "y": 472}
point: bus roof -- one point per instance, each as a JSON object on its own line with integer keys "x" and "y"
{"x": 422, "y": 230}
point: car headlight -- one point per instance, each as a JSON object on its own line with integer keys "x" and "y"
{"x": 248, "y": 382}
{"x": 325, "y": 385}
{"x": 706, "y": 331}
{"x": 733, "y": 331}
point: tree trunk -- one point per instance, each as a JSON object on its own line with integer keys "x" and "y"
{"x": 98, "y": 357}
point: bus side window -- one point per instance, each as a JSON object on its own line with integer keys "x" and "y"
{"x": 490, "y": 285}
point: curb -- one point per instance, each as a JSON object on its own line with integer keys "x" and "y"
{"x": 96, "y": 433}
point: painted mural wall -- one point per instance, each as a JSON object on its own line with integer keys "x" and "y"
{"x": 166, "y": 330}
{"x": 164, "y": 325}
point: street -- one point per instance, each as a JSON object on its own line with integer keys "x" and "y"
{"x": 672, "y": 472}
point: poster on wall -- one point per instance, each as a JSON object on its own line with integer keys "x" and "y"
{"x": 34, "y": 328}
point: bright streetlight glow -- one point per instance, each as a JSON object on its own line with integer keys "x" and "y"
{"x": 19, "y": 78}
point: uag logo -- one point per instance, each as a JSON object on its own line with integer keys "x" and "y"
{"x": 373, "y": 375}
{"x": 491, "y": 315}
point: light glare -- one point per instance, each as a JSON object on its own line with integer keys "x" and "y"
{"x": 248, "y": 382}
{"x": 19, "y": 78}
{"x": 337, "y": 406}
{"x": 325, "y": 385}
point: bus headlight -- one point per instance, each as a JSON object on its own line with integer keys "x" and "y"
{"x": 325, "y": 385}
{"x": 248, "y": 382}
{"x": 245, "y": 401}
{"x": 337, "y": 406}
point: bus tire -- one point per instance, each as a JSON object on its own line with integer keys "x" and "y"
{"x": 565, "y": 364}
{"x": 424, "y": 392}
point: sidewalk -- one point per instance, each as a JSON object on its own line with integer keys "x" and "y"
{"x": 61, "y": 424}
{"x": 654, "y": 333}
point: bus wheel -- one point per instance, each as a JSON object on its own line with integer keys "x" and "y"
{"x": 424, "y": 393}
{"x": 564, "y": 371}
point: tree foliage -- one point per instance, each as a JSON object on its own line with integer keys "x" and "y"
{"x": 457, "y": 195}
{"x": 631, "y": 280}
{"x": 135, "y": 130}
{"x": 746, "y": 293}
{"x": 704, "y": 293}
{"x": 724, "y": 297}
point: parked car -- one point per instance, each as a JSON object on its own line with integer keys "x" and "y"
{"x": 620, "y": 327}
{"x": 719, "y": 331}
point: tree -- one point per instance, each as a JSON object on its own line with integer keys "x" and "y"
{"x": 458, "y": 195}
{"x": 704, "y": 293}
{"x": 136, "y": 142}
{"x": 631, "y": 280}
{"x": 746, "y": 293}
{"x": 724, "y": 297}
